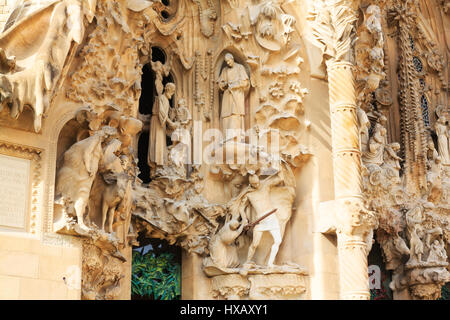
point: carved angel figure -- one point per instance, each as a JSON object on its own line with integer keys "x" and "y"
{"x": 181, "y": 137}
{"x": 364, "y": 126}
{"x": 414, "y": 220}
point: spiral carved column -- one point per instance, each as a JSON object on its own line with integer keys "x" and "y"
{"x": 351, "y": 228}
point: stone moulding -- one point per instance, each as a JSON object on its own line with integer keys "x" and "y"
{"x": 276, "y": 286}
{"x": 34, "y": 155}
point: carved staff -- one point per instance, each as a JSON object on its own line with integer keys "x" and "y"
{"x": 253, "y": 224}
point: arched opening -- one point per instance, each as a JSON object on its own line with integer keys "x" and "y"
{"x": 146, "y": 104}
{"x": 156, "y": 270}
{"x": 379, "y": 277}
{"x": 71, "y": 133}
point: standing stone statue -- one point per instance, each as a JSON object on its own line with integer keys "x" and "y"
{"x": 443, "y": 140}
{"x": 414, "y": 219}
{"x": 234, "y": 82}
{"x": 364, "y": 126}
{"x": 260, "y": 201}
{"x": 157, "y": 153}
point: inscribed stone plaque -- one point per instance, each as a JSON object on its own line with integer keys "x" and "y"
{"x": 14, "y": 191}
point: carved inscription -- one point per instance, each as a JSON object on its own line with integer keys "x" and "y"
{"x": 14, "y": 191}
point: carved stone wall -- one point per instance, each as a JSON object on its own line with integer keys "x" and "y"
{"x": 337, "y": 119}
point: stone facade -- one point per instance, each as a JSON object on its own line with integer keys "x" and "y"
{"x": 275, "y": 142}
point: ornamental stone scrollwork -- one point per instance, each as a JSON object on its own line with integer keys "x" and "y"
{"x": 402, "y": 14}
{"x": 207, "y": 16}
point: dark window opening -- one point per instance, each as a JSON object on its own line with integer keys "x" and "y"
{"x": 418, "y": 64}
{"x": 165, "y": 14}
{"x": 144, "y": 168}
{"x": 146, "y": 103}
{"x": 379, "y": 282}
{"x": 148, "y": 93}
{"x": 425, "y": 114}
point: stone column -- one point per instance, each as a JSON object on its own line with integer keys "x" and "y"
{"x": 351, "y": 227}
{"x": 334, "y": 27}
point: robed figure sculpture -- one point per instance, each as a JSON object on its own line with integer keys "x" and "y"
{"x": 234, "y": 82}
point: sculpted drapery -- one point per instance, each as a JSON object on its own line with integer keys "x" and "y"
{"x": 234, "y": 82}
{"x": 157, "y": 153}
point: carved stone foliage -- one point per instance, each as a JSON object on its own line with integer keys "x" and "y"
{"x": 33, "y": 70}
{"x": 333, "y": 27}
{"x": 172, "y": 207}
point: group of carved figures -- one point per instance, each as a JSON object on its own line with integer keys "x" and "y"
{"x": 102, "y": 154}
{"x": 421, "y": 239}
{"x": 252, "y": 204}
{"x": 102, "y": 162}
{"x": 416, "y": 252}
{"x": 233, "y": 81}
{"x": 376, "y": 150}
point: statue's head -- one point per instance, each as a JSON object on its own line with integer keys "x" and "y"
{"x": 395, "y": 146}
{"x": 229, "y": 59}
{"x": 234, "y": 224}
{"x": 124, "y": 161}
{"x": 181, "y": 103}
{"x": 254, "y": 180}
{"x": 382, "y": 120}
{"x": 170, "y": 89}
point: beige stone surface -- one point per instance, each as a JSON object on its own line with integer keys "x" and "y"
{"x": 42, "y": 272}
{"x": 345, "y": 106}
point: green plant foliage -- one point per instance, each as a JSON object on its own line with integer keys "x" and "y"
{"x": 445, "y": 293}
{"x": 155, "y": 277}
